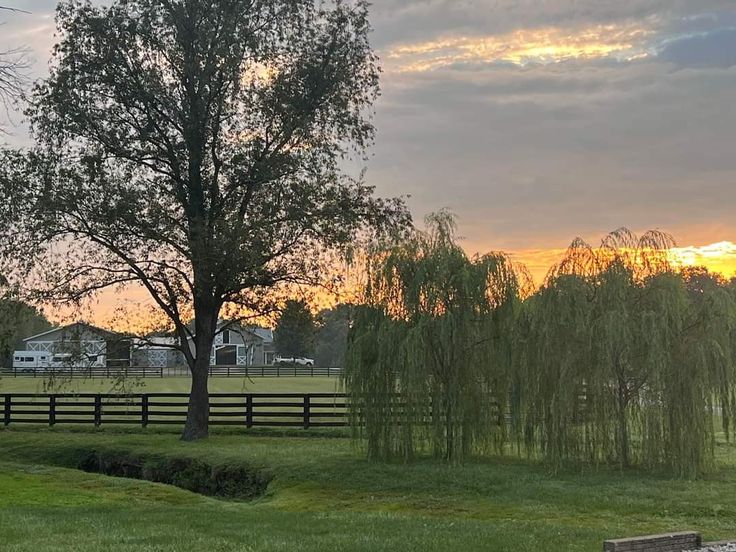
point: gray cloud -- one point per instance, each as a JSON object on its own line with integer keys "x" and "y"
{"x": 535, "y": 156}
{"x": 530, "y": 156}
{"x": 715, "y": 49}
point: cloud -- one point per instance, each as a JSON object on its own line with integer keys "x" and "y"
{"x": 523, "y": 47}
{"x": 714, "y": 49}
{"x": 540, "y": 120}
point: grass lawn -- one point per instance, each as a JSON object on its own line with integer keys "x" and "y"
{"x": 304, "y": 384}
{"x": 325, "y": 496}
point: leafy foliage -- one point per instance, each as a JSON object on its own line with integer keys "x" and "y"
{"x": 618, "y": 357}
{"x": 332, "y": 335}
{"x": 17, "y": 321}
{"x": 295, "y": 329}
{"x": 430, "y": 350}
{"x": 623, "y": 358}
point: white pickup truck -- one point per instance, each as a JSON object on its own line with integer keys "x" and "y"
{"x": 288, "y": 361}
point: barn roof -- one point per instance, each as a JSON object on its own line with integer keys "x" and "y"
{"x": 90, "y": 327}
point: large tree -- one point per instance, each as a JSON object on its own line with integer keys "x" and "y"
{"x": 429, "y": 350}
{"x": 195, "y": 148}
{"x": 622, "y": 358}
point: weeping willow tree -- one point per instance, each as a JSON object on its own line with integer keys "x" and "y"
{"x": 429, "y": 352}
{"x": 619, "y": 363}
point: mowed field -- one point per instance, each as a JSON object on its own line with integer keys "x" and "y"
{"x": 302, "y": 384}
{"x": 324, "y": 494}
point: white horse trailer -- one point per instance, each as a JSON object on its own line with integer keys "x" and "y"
{"x": 29, "y": 361}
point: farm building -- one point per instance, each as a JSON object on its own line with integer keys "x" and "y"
{"x": 81, "y": 344}
{"x": 77, "y": 344}
{"x": 235, "y": 345}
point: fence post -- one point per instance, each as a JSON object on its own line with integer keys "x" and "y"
{"x": 98, "y": 410}
{"x": 144, "y": 410}
{"x": 295, "y": 369}
{"x": 228, "y": 370}
{"x": 52, "y": 410}
{"x": 8, "y": 399}
{"x": 306, "y": 411}
{"x": 312, "y": 370}
{"x": 263, "y": 370}
{"x": 249, "y": 410}
{"x": 328, "y": 370}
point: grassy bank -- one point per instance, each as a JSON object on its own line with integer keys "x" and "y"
{"x": 324, "y": 495}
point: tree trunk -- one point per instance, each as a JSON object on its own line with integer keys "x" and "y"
{"x": 206, "y": 311}
{"x": 198, "y": 412}
{"x": 623, "y": 424}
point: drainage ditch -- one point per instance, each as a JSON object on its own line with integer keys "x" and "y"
{"x": 232, "y": 482}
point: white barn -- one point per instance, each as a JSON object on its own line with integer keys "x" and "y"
{"x": 77, "y": 344}
{"x": 235, "y": 345}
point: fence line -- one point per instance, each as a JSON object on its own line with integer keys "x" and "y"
{"x": 175, "y": 371}
{"x": 305, "y": 410}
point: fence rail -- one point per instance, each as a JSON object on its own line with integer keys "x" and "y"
{"x": 176, "y": 371}
{"x": 305, "y": 410}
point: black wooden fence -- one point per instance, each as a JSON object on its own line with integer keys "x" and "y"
{"x": 305, "y": 410}
{"x": 176, "y": 371}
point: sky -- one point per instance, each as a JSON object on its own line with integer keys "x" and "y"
{"x": 537, "y": 121}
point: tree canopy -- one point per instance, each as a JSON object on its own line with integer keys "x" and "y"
{"x": 13, "y": 67}
{"x": 429, "y": 350}
{"x": 620, "y": 363}
{"x": 295, "y": 330}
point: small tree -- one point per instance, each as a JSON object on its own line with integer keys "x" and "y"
{"x": 295, "y": 329}
{"x": 194, "y": 147}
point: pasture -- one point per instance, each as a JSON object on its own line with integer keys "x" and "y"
{"x": 9, "y": 384}
{"x": 325, "y": 496}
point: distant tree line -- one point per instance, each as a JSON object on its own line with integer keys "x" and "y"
{"x": 17, "y": 321}
{"x": 618, "y": 358}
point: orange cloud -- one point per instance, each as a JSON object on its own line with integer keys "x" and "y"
{"x": 523, "y": 46}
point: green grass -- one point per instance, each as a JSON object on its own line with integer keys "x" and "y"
{"x": 325, "y": 496}
{"x": 303, "y": 384}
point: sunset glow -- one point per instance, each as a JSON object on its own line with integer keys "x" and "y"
{"x": 134, "y": 310}
{"x": 717, "y": 257}
{"x": 522, "y": 47}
